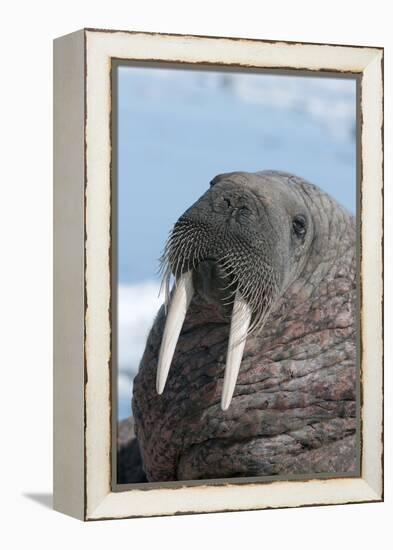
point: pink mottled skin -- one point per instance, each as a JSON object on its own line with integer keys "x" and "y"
{"x": 294, "y": 409}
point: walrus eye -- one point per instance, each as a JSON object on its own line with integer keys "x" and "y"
{"x": 299, "y": 225}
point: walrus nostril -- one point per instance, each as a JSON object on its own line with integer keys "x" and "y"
{"x": 232, "y": 203}
{"x": 233, "y": 206}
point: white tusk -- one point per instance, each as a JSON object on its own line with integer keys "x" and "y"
{"x": 241, "y": 317}
{"x": 181, "y": 299}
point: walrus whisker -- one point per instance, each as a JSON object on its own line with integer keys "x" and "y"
{"x": 164, "y": 286}
{"x": 226, "y": 287}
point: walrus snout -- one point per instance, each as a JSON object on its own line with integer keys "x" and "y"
{"x": 218, "y": 250}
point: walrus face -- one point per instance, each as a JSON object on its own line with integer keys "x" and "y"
{"x": 239, "y": 246}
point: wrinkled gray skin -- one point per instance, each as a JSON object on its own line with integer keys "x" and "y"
{"x": 294, "y": 405}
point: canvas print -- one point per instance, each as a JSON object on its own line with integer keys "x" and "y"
{"x": 235, "y": 329}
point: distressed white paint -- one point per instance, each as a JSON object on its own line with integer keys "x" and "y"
{"x": 68, "y": 249}
{"x": 101, "y": 502}
{"x": 191, "y": 49}
{"x": 233, "y": 497}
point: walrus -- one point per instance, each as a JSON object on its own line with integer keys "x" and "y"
{"x": 250, "y": 366}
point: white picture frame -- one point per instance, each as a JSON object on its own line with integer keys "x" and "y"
{"x": 82, "y": 259}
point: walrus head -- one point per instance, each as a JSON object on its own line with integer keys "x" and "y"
{"x": 238, "y": 247}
